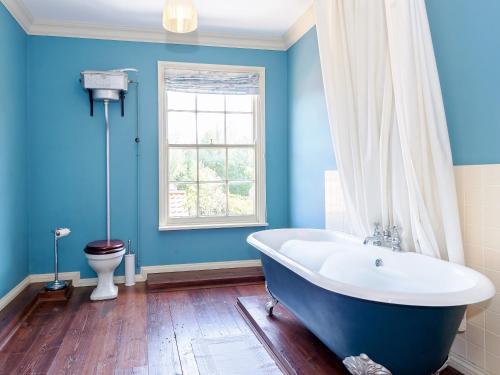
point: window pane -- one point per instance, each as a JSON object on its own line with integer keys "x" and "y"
{"x": 210, "y": 102}
{"x": 180, "y": 100}
{"x": 181, "y": 128}
{"x": 239, "y": 128}
{"x": 241, "y": 198}
{"x": 182, "y": 164}
{"x": 212, "y": 164}
{"x": 241, "y": 163}
{"x": 210, "y": 128}
{"x": 182, "y": 200}
{"x": 239, "y": 103}
{"x": 213, "y": 199}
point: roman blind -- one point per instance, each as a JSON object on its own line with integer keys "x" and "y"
{"x": 212, "y": 82}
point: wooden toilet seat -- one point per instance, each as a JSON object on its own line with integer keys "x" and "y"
{"x": 104, "y": 247}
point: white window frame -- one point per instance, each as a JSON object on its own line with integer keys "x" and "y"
{"x": 259, "y": 219}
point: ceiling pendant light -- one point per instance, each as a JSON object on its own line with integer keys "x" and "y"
{"x": 180, "y": 16}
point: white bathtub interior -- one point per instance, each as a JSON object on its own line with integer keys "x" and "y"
{"x": 339, "y": 262}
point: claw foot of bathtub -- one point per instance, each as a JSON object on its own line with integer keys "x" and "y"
{"x": 363, "y": 365}
{"x": 270, "y": 305}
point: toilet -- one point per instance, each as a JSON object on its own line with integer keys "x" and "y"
{"x": 104, "y": 256}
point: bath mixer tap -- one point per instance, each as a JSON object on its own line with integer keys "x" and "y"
{"x": 395, "y": 239}
{"x": 387, "y": 238}
{"x": 387, "y": 235}
{"x": 376, "y": 238}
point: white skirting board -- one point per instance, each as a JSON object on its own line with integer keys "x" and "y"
{"x": 197, "y": 267}
{"x": 5, "y": 300}
{"x": 140, "y": 277}
{"x": 464, "y": 366}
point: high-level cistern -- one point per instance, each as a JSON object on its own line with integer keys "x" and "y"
{"x": 387, "y": 238}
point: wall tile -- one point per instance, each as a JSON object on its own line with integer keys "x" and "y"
{"x": 491, "y": 195}
{"x": 491, "y": 174}
{"x": 491, "y": 237}
{"x": 475, "y": 315}
{"x": 494, "y": 276}
{"x": 459, "y": 172}
{"x": 474, "y": 255}
{"x": 474, "y": 216}
{"x": 492, "y": 343}
{"x": 475, "y": 335}
{"x": 473, "y": 175}
{"x": 473, "y": 235}
{"x": 474, "y": 195}
{"x": 494, "y": 303}
{"x": 492, "y": 259}
{"x": 459, "y": 346}
{"x": 492, "y": 322}
{"x": 475, "y": 354}
{"x": 491, "y": 215}
{"x": 492, "y": 364}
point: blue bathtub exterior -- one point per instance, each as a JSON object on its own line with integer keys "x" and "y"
{"x": 407, "y": 340}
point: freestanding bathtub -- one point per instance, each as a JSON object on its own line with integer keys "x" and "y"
{"x": 401, "y": 309}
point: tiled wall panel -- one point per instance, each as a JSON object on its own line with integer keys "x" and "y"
{"x": 478, "y": 190}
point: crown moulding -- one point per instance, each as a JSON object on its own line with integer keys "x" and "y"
{"x": 93, "y": 31}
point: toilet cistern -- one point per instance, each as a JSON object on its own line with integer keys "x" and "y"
{"x": 57, "y": 284}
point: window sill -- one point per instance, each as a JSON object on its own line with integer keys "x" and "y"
{"x": 210, "y": 226}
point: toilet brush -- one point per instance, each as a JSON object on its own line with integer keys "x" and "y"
{"x": 129, "y": 266}
{"x": 57, "y": 284}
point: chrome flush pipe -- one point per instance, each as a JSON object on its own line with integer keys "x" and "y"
{"x": 108, "y": 200}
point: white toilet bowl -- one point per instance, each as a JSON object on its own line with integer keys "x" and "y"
{"x": 104, "y": 257}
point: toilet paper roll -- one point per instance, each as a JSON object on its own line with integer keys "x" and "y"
{"x": 62, "y": 232}
{"x": 129, "y": 269}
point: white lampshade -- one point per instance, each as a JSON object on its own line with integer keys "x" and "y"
{"x": 180, "y": 16}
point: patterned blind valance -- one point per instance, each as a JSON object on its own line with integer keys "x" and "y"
{"x": 212, "y": 82}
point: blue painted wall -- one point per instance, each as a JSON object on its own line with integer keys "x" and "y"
{"x": 67, "y": 157}
{"x": 467, "y": 47}
{"x": 13, "y": 151}
{"x": 310, "y": 149}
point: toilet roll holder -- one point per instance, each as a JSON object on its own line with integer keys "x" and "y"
{"x": 57, "y": 284}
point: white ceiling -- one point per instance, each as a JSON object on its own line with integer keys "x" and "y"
{"x": 235, "y": 18}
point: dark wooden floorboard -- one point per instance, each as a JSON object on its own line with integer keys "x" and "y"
{"x": 163, "y": 357}
{"x": 133, "y": 344}
{"x": 138, "y": 333}
{"x": 76, "y": 345}
{"x": 185, "y": 327}
{"x": 17, "y": 311}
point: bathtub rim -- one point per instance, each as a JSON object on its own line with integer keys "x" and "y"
{"x": 482, "y": 291}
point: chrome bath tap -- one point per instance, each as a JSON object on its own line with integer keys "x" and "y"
{"x": 386, "y": 238}
{"x": 376, "y": 238}
{"x": 395, "y": 239}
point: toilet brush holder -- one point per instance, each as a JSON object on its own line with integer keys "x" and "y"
{"x": 129, "y": 269}
{"x": 57, "y": 284}
{"x": 129, "y": 266}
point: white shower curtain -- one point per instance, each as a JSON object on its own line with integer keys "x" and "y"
{"x": 387, "y": 121}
